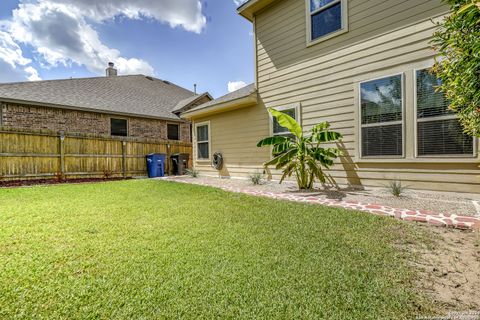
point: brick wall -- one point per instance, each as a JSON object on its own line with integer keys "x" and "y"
{"x": 53, "y": 119}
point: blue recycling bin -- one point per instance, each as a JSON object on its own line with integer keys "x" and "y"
{"x": 156, "y": 165}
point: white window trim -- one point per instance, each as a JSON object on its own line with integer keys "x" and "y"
{"x": 120, "y": 118}
{"x": 360, "y": 125}
{"x": 201, "y": 124}
{"x": 309, "y": 14}
{"x": 298, "y": 117}
{"x": 431, "y": 119}
{"x": 179, "y": 131}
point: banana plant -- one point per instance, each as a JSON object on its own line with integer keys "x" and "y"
{"x": 302, "y": 155}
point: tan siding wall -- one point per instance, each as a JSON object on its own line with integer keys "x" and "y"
{"x": 385, "y": 37}
{"x": 235, "y": 134}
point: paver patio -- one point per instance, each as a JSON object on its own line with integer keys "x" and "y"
{"x": 446, "y": 219}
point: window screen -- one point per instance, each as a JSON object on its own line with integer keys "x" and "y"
{"x": 173, "y": 131}
{"x": 326, "y": 17}
{"x": 382, "y": 117}
{"x": 438, "y": 130}
{"x": 203, "y": 142}
{"x": 118, "y": 127}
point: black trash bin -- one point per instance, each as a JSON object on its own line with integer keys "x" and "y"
{"x": 179, "y": 163}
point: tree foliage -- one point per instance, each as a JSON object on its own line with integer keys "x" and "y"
{"x": 302, "y": 155}
{"x": 457, "y": 41}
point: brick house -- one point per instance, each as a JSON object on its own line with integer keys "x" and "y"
{"x": 133, "y": 105}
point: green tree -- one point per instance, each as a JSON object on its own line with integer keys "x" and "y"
{"x": 457, "y": 41}
{"x": 299, "y": 154}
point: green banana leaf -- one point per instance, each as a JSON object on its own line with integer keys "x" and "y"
{"x": 287, "y": 122}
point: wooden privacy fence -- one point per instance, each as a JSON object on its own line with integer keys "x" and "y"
{"x": 42, "y": 155}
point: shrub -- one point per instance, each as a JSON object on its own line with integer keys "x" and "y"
{"x": 396, "y": 189}
{"x": 256, "y": 178}
{"x": 107, "y": 174}
{"x": 59, "y": 177}
{"x": 457, "y": 41}
{"x": 299, "y": 154}
{"x": 193, "y": 173}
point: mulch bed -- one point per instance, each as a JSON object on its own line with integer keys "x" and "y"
{"x": 36, "y": 182}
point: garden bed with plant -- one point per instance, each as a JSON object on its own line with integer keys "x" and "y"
{"x": 35, "y": 182}
{"x": 435, "y": 201}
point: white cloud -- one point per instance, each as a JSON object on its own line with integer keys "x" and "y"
{"x": 33, "y": 74}
{"x": 238, "y": 3}
{"x": 61, "y": 31}
{"x": 235, "y": 85}
{"x": 12, "y": 62}
{"x": 177, "y": 13}
{"x": 61, "y": 36}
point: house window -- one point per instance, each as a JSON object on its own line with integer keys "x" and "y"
{"x": 382, "y": 117}
{"x": 326, "y": 17}
{"x": 203, "y": 141}
{"x": 278, "y": 130}
{"x": 118, "y": 127}
{"x": 173, "y": 131}
{"x": 438, "y": 129}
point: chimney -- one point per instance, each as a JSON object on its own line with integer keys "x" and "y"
{"x": 195, "y": 88}
{"x": 111, "y": 71}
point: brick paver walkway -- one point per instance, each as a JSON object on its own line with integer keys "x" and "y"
{"x": 433, "y": 218}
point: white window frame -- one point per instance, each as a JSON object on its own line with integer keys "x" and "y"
{"x": 402, "y": 122}
{"x": 309, "y": 14}
{"x": 298, "y": 117}
{"x": 431, "y": 119}
{"x": 120, "y": 118}
{"x": 209, "y": 141}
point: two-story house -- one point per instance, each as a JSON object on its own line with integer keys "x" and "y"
{"x": 362, "y": 65}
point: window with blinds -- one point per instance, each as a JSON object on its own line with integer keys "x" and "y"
{"x": 438, "y": 130}
{"x": 382, "y": 117}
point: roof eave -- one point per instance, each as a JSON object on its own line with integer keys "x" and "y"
{"x": 205, "y": 94}
{"x": 249, "y": 8}
{"x": 239, "y": 103}
{"x": 74, "y": 108}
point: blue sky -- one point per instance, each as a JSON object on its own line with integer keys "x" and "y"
{"x": 183, "y": 41}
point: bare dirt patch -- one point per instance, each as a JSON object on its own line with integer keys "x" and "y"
{"x": 448, "y": 267}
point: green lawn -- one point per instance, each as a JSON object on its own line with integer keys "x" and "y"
{"x": 143, "y": 249}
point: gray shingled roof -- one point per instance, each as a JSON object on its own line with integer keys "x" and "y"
{"x": 240, "y": 93}
{"x": 185, "y": 102}
{"x": 134, "y": 94}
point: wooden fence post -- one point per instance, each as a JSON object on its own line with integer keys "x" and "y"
{"x": 62, "y": 153}
{"x": 167, "y": 161}
{"x": 124, "y": 159}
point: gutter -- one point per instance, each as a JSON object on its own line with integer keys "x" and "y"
{"x": 222, "y": 107}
